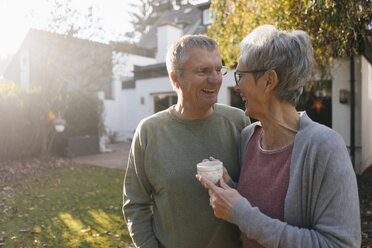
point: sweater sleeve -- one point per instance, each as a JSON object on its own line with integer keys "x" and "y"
{"x": 333, "y": 210}
{"x": 137, "y": 201}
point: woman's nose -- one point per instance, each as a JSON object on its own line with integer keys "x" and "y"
{"x": 236, "y": 88}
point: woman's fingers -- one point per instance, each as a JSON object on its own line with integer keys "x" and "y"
{"x": 221, "y": 198}
{"x": 223, "y": 184}
{"x": 207, "y": 183}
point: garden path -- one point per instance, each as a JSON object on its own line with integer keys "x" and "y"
{"x": 116, "y": 159}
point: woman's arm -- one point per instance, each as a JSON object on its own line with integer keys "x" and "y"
{"x": 335, "y": 212}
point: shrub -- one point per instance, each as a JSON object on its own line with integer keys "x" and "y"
{"x": 83, "y": 115}
{"x": 21, "y": 114}
{"x": 26, "y": 122}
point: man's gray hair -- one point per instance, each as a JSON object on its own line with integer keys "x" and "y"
{"x": 176, "y": 56}
{"x": 288, "y": 53}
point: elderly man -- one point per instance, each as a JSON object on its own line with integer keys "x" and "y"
{"x": 164, "y": 205}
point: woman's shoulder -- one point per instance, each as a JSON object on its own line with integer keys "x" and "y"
{"x": 248, "y": 131}
{"x": 317, "y": 133}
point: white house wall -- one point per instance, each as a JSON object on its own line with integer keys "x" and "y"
{"x": 224, "y": 94}
{"x": 120, "y": 114}
{"x": 122, "y": 67}
{"x": 366, "y": 114}
{"x": 166, "y": 36}
{"x": 341, "y": 112}
{"x": 120, "y": 111}
{"x": 146, "y": 88}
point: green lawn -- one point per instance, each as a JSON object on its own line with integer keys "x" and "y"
{"x": 70, "y": 207}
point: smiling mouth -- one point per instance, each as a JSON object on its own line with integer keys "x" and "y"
{"x": 208, "y": 91}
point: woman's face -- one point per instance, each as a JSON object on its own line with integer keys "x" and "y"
{"x": 251, "y": 91}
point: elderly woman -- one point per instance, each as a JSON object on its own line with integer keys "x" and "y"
{"x": 297, "y": 187}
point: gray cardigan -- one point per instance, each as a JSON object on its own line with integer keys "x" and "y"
{"x": 321, "y": 207}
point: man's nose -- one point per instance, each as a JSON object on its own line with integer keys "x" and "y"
{"x": 214, "y": 77}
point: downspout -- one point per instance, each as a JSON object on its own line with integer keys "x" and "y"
{"x": 352, "y": 111}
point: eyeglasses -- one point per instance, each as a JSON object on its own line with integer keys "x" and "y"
{"x": 239, "y": 74}
{"x": 206, "y": 71}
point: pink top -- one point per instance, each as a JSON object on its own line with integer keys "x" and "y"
{"x": 264, "y": 179}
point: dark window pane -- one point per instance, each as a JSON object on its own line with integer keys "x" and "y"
{"x": 162, "y": 102}
{"x": 236, "y": 101}
{"x": 316, "y": 100}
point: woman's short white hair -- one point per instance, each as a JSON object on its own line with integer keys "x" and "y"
{"x": 288, "y": 53}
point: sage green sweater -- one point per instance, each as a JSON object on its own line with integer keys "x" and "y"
{"x": 164, "y": 204}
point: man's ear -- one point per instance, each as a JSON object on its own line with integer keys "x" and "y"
{"x": 271, "y": 80}
{"x": 174, "y": 80}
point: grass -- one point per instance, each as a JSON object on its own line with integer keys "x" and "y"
{"x": 77, "y": 206}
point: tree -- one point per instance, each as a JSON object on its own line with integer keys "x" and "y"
{"x": 69, "y": 63}
{"x": 146, "y": 12}
{"x": 335, "y": 27}
{"x": 83, "y": 23}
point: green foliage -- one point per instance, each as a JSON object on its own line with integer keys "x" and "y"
{"x": 68, "y": 207}
{"x": 83, "y": 114}
{"x": 335, "y": 27}
{"x": 26, "y": 123}
{"x": 21, "y": 113}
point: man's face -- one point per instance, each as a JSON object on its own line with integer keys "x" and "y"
{"x": 200, "y": 79}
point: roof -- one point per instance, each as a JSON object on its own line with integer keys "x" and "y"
{"x": 188, "y": 17}
{"x": 150, "y": 71}
{"x": 126, "y": 47}
{"x": 52, "y": 57}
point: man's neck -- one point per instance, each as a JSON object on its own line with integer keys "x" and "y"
{"x": 189, "y": 113}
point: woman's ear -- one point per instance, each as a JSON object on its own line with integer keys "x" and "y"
{"x": 271, "y": 80}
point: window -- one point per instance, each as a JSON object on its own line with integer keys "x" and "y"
{"x": 237, "y": 102}
{"x": 235, "y": 99}
{"x": 316, "y": 100}
{"x": 164, "y": 101}
{"x": 206, "y": 17}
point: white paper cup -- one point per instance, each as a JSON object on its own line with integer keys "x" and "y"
{"x": 212, "y": 170}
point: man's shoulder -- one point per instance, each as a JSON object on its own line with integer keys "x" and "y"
{"x": 227, "y": 110}
{"x": 156, "y": 120}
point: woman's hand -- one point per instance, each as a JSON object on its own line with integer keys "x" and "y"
{"x": 222, "y": 198}
{"x": 226, "y": 177}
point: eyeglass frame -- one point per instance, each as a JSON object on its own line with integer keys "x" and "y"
{"x": 197, "y": 69}
{"x": 246, "y": 72}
